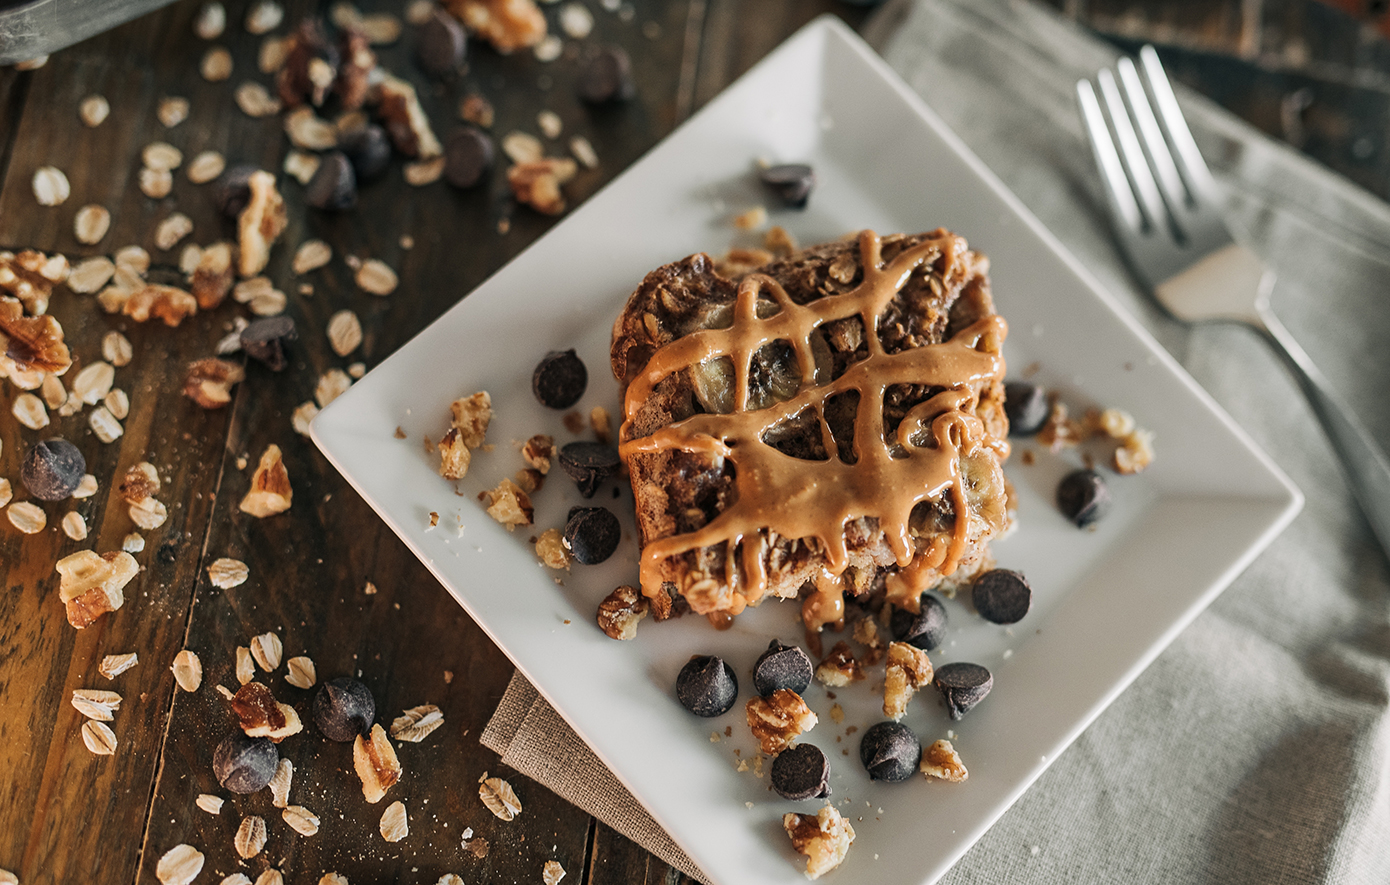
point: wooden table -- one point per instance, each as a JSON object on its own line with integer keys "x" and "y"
{"x": 67, "y": 815}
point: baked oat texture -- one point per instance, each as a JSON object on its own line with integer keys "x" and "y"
{"x": 674, "y": 351}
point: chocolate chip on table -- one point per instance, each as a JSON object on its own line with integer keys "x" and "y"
{"x": 926, "y": 629}
{"x": 468, "y": 154}
{"x": 592, "y": 534}
{"x": 782, "y": 666}
{"x": 588, "y": 464}
{"x": 791, "y": 182}
{"x": 369, "y": 150}
{"x": 441, "y": 44}
{"x": 343, "y": 709}
{"x": 52, "y": 469}
{"x": 1083, "y": 497}
{"x": 1001, "y": 596}
{"x": 707, "y": 686}
{"x": 963, "y": 686}
{"x": 234, "y": 189}
{"x": 890, "y": 752}
{"x": 245, "y": 764}
{"x": 607, "y": 76}
{"x": 559, "y": 379}
{"x": 265, "y": 339}
{"x": 802, "y": 772}
{"x": 1026, "y": 406}
{"x": 334, "y": 185}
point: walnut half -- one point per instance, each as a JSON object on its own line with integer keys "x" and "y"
{"x": 909, "y": 669}
{"x": 824, "y": 838}
{"x": 620, "y": 612}
{"x": 778, "y": 719}
{"x": 263, "y": 716}
{"x": 270, "y": 486}
{"x": 941, "y": 760}
{"x": 375, "y": 761}
{"x": 91, "y": 585}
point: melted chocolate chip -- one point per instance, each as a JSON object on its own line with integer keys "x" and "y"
{"x": 791, "y": 182}
{"x": 1027, "y": 407}
{"x": 1083, "y": 497}
{"x": 334, "y": 186}
{"x": 963, "y": 686}
{"x": 926, "y": 629}
{"x": 265, "y": 340}
{"x": 707, "y": 686}
{"x": 369, "y": 150}
{"x": 1001, "y": 596}
{"x": 52, "y": 469}
{"x": 890, "y": 752}
{"x": 442, "y": 44}
{"x": 588, "y": 464}
{"x": 559, "y": 379}
{"x": 782, "y": 666}
{"x": 607, "y": 76}
{"x": 468, "y": 156}
{"x": 592, "y": 534}
{"x": 802, "y": 772}
{"x": 245, "y": 764}
{"x": 343, "y": 709}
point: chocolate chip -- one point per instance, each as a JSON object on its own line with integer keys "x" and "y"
{"x": 343, "y": 709}
{"x": 890, "y": 752}
{"x": 559, "y": 379}
{"x": 707, "y": 686}
{"x": 441, "y": 44}
{"x": 52, "y": 469}
{"x": 1001, "y": 596}
{"x": 1027, "y": 407}
{"x": 245, "y": 764}
{"x": 926, "y": 629}
{"x": 588, "y": 464}
{"x": 963, "y": 686}
{"x": 467, "y": 157}
{"x": 1083, "y": 497}
{"x": 369, "y": 150}
{"x": 234, "y": 189}
{"x": 607, "y": 76}
{"x": 782, "y": 666}
{"x": 265, "y": 340}
{"x": 592, "y": 534}
{"x": 802, "y": 772}
{"x": 334, "y": 186}
{"x": 791, "y": 182}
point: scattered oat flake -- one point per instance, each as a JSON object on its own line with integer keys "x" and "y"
{"x": 7, "y": 492}
{"x": 75, "y": 526}
{"x": 301, "y": 166}
{"x": 271, "y": 876}
{"x": 250, "y": 836}
{"x": 272, "y": 54}
{"x": 105, "y": 425}
{"x": 216, "y": 66}
{"x": 301, "y": 672}
{"x": 226, "y": 573}
{"x": 550, "y": 124}
{"x": 133, "y": 543}
{"x": 51, "y": 186}
{"x": 245, "y": 665}
{"x": 301, "y": 820}
{"x": 30, "y": 411}
{"x": 500, "y": 798}
{"x": 117, "y": 403}
{"x": 188, "y": 670}
{"x": 333, "y": 879}
{"x": 255, "y": 101}
{"x": 94, "y": 382}
{"x": 376, "y": 277}
{"x": 423, "y": 172}
{"x": 211, "y": 21}
{"x": 309, "y": 131}
{"x": 114, "y": 665}
{"x": 155, "y": 184}
{"x": 172, "y": 111}
{"x": 344, "y": 332}
{"x": 171, "y": 230}
{"x": 91, "y": 224}
{"x": 311, "y": 255}
{"x": 205, "y": 167}
{"x": 264, "y": 17}
{"x": 450, "y": 879}
{"x": 160, "y": 155}
{"x": 209, "y": 803}
{"x": 522, "y": 147}
{"x": 394, "y": 824}
{"x": 267, "y": 649}
{"x": 98, "y": 738}
{"x": 332, "y": 384}
{"x": 94, "y": 110}
{"x": 90, "y": 275}
{"x": 549, "y": 49}
{"x": 419, "y": 11}
{"x": 303, "y": 417}
{"x": 415, "y": 724}
{"x": 280, "y": 783}
{"x": 370, "y": 589}
{"x": 26, "y": 517}
{"x": 95, "y": 703}
{"x": 552, "y": 873}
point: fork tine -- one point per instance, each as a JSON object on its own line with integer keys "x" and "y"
{"x": 1123, "y": 207}
{"x": 1131, "y": 154}
{"x": 1170, "y": 183}
{"x": 1189, "y": 160}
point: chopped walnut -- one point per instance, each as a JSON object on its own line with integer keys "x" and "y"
{"x": 471, "y": 415}
{"x": 601, "y": 423}
{"x": 375, "y": 761}
{"x": 260, "y": 224}
{"x": 941, "y": 760}
{"x": 909, "y": 669}
{"x": 537, "y": 184}
{"x": 270, "y": 486}
{"x": 30, "y": 277}
{"x": 779, "y": 242}
{"x": 310, "y": 66}
{"x": 454, "y": 455}
{"x": 530, "y": 480}
{"x": 355, "y": 70}
{"x": 261, "y": 715}
{"x": 866, "y": 632}
{"x": 209, "y": 381}
{"x": 1136, "y": 451}
{"x": 538, "y": 452}
{"x": 1115, "y": 423}
{"x": 140, "y": 484}
{"x": 509, "y": 505}
{"x": 170, "y": 303}
{"x": 477, "y": 110}
{"x": 551, "y": 551}
{"x": 739, "y": 262}
{"x": 91, "y": 585}
{"x": 406, "y": 121}
{"x": 778, "y": 719}
{"x": 1060, "y": 431}
{"x": 824, "y": 838}
{"x": 507, "y": 24}
{"x": 620, "y": 612}
{"x": 212, "y": 278}
{"x": 752, "y": 219}
{"x": 30, "y": 344}
{"x": 839, "y": 668}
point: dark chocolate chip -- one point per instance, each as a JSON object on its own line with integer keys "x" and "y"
{"x": 963, "y": 686}
{"x": 1001, "y": 596}
{"x": 1083, "y": 497}
{"x": 245, "y": 764}
{"x": 592, "y": 534}
{"x": 782, "y": 666}
{"x": 168, "y": 552}
{"x": 1027, "y": 407}
{"x": 334, "y": 186}
{"x": 890, "y": 752}
{"x": 560, "y": 379}
{"x": 926, "y": 629}
{"x": 234, "y": 189}
{"x": 343, "y": 709}
{"x": 467, "y": 157}
{"x": 707, "y": 686}
{"x": 265, "y": 339}
{"x": 791, "y": 182}
{"x": 607, "y": 76}
{"x": 52, "y": 469}
{"x": 442, "y": 44}
{"x": 802, "y": 772}
{"x": 588, "y": 464}
{"x": 369, "y": 150}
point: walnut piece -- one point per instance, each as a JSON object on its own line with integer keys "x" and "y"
{"x": 170, "y": 303}
{"x": 260, "y": 223}
{"x": 777, "y": 720}
{"x": 270, "y": 486}
{"x": 30, "y": 277}
{"x": 824, "y": 838}
{"x": 537, "y": 184}
{"x": 1136, "y": 451}
{"x": 263, "y": 716}
{"x": 551, "y": 551}
{"x": 538, "y": 452}
{"x": 620, "y": 612}
{"x": 409, "y": 127}
{"x": 908, "y": 670}
{"x": 1060, "y": 431}
{"x": 839, "y": 668}
{"x": 506, "y": 24}
{"x": 376, "y": 764}
{"x": 209, "y": 381}
{"x": 454, "y": 455}
{"x": 91, "y": 585}
{"x": 30, "y": 344}
{"x": 212, "y": 278}
{"x": 941, "y": 760}
{"x": 471, "y": 415}
{"x": 509, "y": 505}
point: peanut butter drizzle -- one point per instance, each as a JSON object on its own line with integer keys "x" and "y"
{"x": 802, "y": 499}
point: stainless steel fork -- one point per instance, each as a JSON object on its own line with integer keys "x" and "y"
{"x": 1166, "y": 212}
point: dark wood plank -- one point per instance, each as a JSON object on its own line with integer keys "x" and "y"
{"x": 616, "y": 860}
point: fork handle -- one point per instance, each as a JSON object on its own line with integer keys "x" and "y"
{"x": 1367, "y": 468}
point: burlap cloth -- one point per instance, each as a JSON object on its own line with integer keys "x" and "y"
{"x": 1255, "y": 749}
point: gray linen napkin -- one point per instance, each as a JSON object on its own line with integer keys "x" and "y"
{"x": 1256, "y": 749}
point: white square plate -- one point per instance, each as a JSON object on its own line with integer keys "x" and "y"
{"x": 1105, "y": 601}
